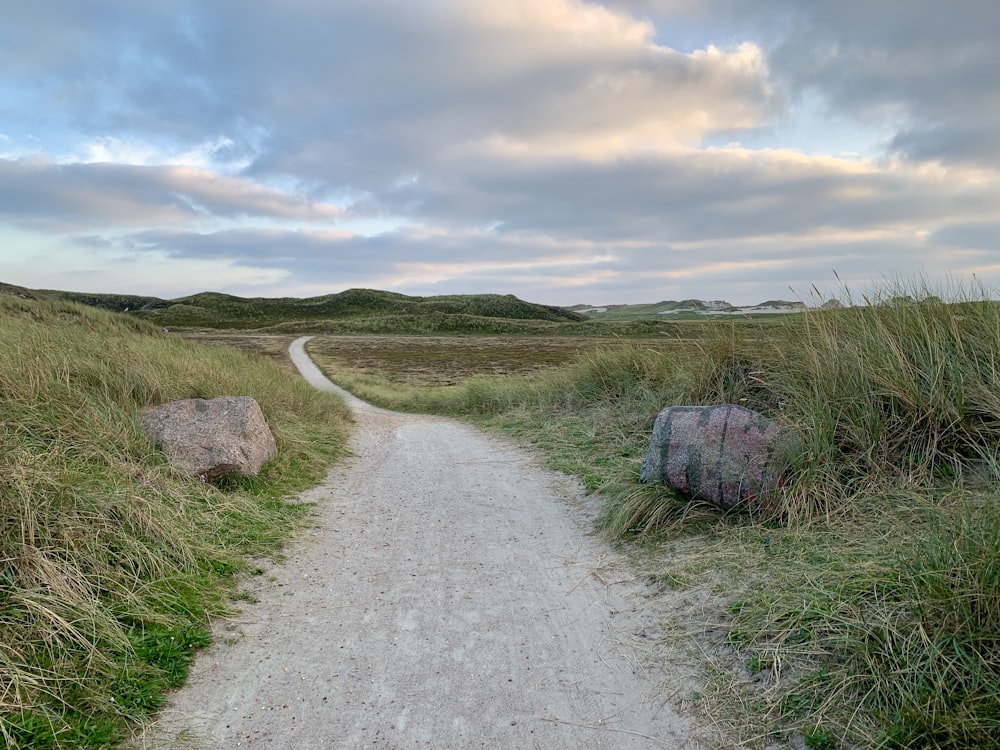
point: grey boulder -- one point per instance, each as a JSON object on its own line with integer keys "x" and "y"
{"x": 727, "y": 455}
{"x": 211, "y": 438}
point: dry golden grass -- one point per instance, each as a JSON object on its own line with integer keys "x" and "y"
{"x": 272, "y": 346}
{"x": 432, "y": 361}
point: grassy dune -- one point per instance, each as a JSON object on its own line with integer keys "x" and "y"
{"x": 110, "y": 564}
{"x": 861, "y": 607}
{"x": 354, "y": 308}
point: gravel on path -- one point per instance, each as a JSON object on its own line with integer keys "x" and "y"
{"x": 451, "y": 595}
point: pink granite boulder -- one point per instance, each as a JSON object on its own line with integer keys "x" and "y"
{"x": 727, "y": 455}
{"x": 211, "y": 438}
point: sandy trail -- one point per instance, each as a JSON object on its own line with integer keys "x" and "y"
{"x": 450, "y": 596}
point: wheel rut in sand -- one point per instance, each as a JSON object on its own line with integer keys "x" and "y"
{"x": 451, "y": 595}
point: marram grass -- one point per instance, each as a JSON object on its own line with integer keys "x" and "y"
{"x": 110, "y": 563}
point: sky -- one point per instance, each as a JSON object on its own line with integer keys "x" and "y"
{"x": 567, "y": 152}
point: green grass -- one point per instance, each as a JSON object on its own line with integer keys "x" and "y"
{"x": 869, "y": 588}
{"x": 111, "y": 564}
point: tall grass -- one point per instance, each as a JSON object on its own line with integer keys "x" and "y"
{"x": 870, "y": 587}
{"x": 881, "y": 627}
{"x": 110, "y": 563}
{"x": 899, "y": 392}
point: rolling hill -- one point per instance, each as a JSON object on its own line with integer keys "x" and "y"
{"x": 214, "y": 310}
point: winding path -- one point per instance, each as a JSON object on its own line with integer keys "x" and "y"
{"x": 450, "y": 596}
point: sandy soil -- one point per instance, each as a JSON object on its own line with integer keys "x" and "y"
{"x": 451, "y": 595}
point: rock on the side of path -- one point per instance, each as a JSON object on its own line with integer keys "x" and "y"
{"x": 211, "y": 438}
{"x": 727, "y": 455}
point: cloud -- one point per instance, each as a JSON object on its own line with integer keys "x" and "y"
{"x": 694, "y": 194}
{"x": 570, "y": 270}
{"x": 922, "y": 70}
{"x": 536, "y": 78}
{"x": 983, "y": 235}
{"x": 345, "y": 86}
{"x": 925, "y": 67}
{"x": 38, "y": 193}
{"x": 96, "y": 264}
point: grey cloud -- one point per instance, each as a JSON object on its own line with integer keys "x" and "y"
{"x": 685, "y": 197}
{"x": 306, "y": 252}
{"x": 739, "y": 270}
{"x": 926, "y": 68}
{"x": 417, "y": 126}
{"x": 974, "y": 235}
{"x": 300, "y": 252}
{"x": 355, "y": 93}
{"x": 37, "y": 193}
{"x": 334, "y": 261}
{"x": 975, "y": 144}
{"x": 111, "y": 65}
{"x": 40, "y": 195}
{"x": 927, "y": 65}
{"x": 67, "y": 37}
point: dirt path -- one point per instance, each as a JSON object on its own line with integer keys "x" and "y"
{"x": 450, "y": 596}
